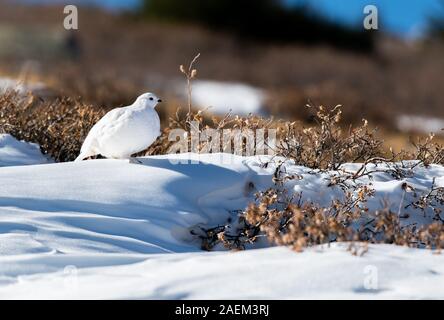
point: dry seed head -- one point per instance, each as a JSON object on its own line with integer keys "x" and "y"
{"x": 365, "y": 122}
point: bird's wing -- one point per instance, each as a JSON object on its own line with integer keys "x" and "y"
{"x": 108, "y": 124}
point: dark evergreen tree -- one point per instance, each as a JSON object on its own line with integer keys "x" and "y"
{"x": 263, "y": 20}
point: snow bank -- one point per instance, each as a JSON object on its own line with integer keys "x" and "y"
{"x": 384, "y": 272}
{"x": 111, "y": 229}
{"x": 17, "y": 153}
{"x": 411, "y": 123}
{"x": 22, "y": 88}
{"x": 222, "y": 97}
{"x": 388, "y": 191}
{"x": 115, "y": 206}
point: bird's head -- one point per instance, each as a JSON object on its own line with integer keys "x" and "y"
{"x": 148, "y": 100}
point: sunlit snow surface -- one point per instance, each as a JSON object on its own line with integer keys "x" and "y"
{"x": 17, "y": 153}
{"x": 113, "y": 229}
{"x": 422, "y": 124}
{"x": 20, "y": 86}
{"x": 223, "y": 97}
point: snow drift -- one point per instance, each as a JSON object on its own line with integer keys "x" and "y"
{"x": 223, "y": 97}
{"x": 14, "y": 152}
{"x": 23, "y": 87}
{"x": 112, "y": 229}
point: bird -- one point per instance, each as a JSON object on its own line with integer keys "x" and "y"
{"x": 124, "y": 131}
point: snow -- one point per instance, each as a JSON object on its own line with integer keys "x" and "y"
{"x": 112, "y": 229}
{"x": 273, "y": 273}
{"x": 314, "y": 187}
{"x": 114, "y": 206}
{"x": 222, "y": 97}
{"x": 14, "y": 152}
{"x": 414, "y": 123}
{"x": 23, "y": 88}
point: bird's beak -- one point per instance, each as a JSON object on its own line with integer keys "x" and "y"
{"x": 159, "y": 100}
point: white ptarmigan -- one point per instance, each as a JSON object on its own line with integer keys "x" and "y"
{"x": 124, "y": 131}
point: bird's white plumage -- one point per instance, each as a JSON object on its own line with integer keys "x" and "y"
{"x": 124, "y": 131}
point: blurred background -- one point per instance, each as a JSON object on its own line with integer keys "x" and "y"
{"x": 266, "y": 57}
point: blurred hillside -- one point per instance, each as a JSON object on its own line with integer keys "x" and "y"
{"x": 114, "y": 57}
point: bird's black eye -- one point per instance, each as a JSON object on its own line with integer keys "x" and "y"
{"x": 151, "y": 98}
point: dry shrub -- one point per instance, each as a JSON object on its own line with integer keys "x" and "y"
{"x": 283, "y": 219}
{"x": 325, "y": 145}
{"x": 58, "y": 126}
{"x": 198, "y": 121}
{"x": 301, "y": 226}
{"x": 427, "y": 151}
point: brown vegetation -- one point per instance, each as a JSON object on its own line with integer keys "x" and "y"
{"x": 121, "y": 57}
{"x": 58, "y": 126}
{"x": 279, "y": 215}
